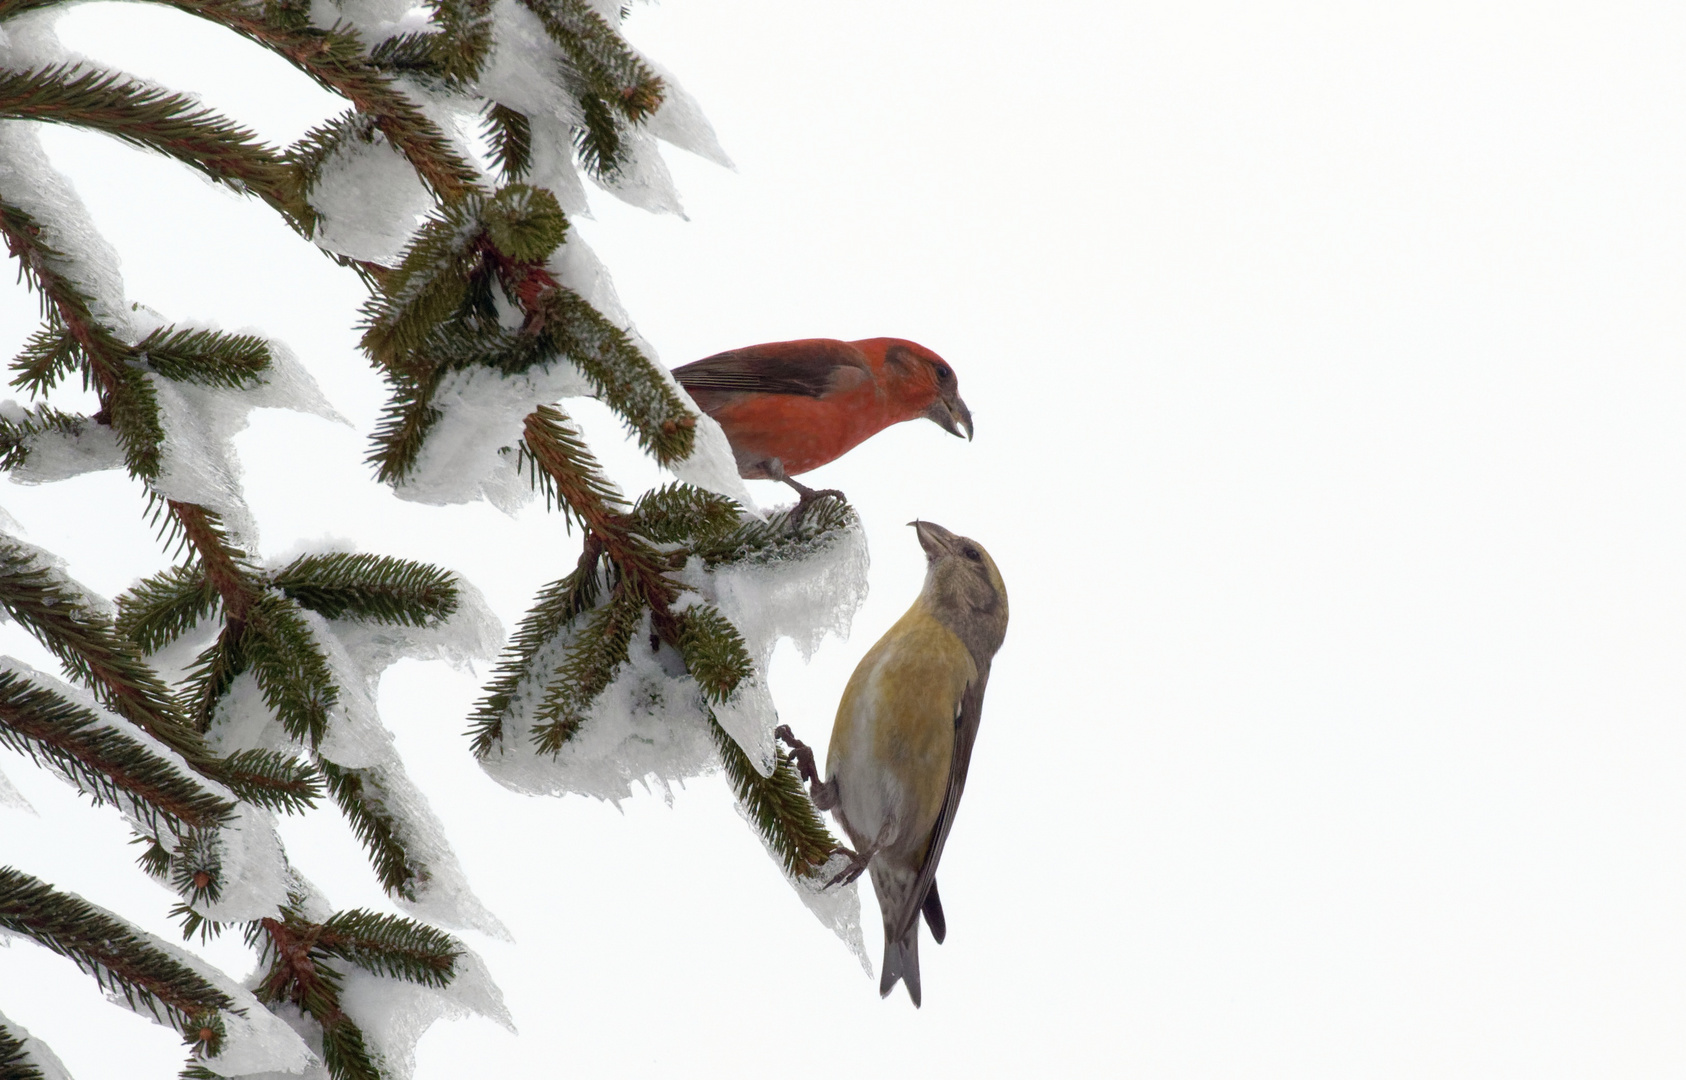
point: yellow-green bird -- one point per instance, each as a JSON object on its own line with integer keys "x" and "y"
{"x": 903, "y": 740}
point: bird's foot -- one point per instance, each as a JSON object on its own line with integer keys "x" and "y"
{"x": 824, "y": 794}
{"x": 855, "y": 867}
{"x": 807, "y": 496}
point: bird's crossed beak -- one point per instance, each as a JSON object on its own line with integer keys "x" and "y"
{"x": 936, "y": 540}
{"x": 950, "y": 414}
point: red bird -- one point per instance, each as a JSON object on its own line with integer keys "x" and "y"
{"x": 791, "y": 406}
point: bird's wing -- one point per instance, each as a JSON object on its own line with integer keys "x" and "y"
{"x": 966, "y": 719}
{"x": 808, "y": 368}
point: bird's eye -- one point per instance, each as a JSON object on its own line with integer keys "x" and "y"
{"x": 972, "y": 553}
{"x": 943, "y": 373}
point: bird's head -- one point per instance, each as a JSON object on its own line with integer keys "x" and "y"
{"x": 927, "y": 384}
{"x": 964, "y": 588}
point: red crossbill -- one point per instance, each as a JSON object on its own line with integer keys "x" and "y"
{"x": 791, "y": 406}
{"x": 902, "y": 741}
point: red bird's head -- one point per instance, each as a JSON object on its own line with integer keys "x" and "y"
{"x": 920, "y": 382}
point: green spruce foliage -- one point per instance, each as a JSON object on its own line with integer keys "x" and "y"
{"x": 477, "y": 287}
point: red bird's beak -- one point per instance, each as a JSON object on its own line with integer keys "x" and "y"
{"x": 936, "y": 540}
{"x": 949, "y": 414}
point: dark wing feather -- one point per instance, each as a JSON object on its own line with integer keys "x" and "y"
{"x": 807, "y": 368}
{"x": 965, "y": 734}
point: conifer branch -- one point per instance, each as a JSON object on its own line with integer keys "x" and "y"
{"x": 510, "y": 136}
{"x": 378, "y": 588}
{"x": 298, "y": 973}
{"x": 157, "y": 610}
{"x": 779, "y": 804}
{"x": 17, "y": 436}
{"x": 107, "y": 764}
{"x": 300, "y": 956}
{"x": 128, "y": 402}
{"x": 155, "y": 119}
{"x": 49, "y": 355}
{"x": 119, "y": 957}
{"x": 16, "y": 1063}
{"x": 555, "y": 609}
{"x": 85, "y": 641}
{"x": 611, "y": 84}
{"x": 395, "y": 947}
{"x": 588, "y": 666}
{"x": 206, "y": 357}
{"x": 362, "y": 798}
{"x": 296, "y": 679}
{"x": 337, "y": 61}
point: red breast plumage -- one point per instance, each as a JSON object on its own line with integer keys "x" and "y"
{"x": 791, "y": 406}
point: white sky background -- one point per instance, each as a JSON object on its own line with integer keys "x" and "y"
{"x": 1328, "y": 376}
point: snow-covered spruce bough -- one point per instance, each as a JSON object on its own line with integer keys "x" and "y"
{"x": 231, "y": 688}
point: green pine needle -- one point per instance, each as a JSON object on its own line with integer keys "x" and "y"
{"x": 554, "y": 611}
{"x": 589, "y": 665}
{"x": 157, "y": 610}
{"x": 119, "y": 957}
{"x": 107, "y": 764}
{"x": 207, "y": 357}
{"x": 778, "y": 804}
{"x": 392, "y": 946}
{"x": 361, "y": 795}
{"x": 378, "y": 588}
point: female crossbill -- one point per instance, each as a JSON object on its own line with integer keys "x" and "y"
{"x": 791, "y": 406}
{"x": 902, "y": 741}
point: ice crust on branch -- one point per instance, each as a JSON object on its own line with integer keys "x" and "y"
{"x": 802, "y": 599}
{"x": 105, "y": 718}
{"x": 394, "y": 1015}
{"x": 369, "y": 200}
{"x": 36, "y": 1052}
{"x": 28, "y": 181}
{"x": 199, "y": 464}
{"x": 649, "y": 724}
{"x": 256, "y": 1041}
{"x": 470, "y": 450}
{"x": 59, "y": 455}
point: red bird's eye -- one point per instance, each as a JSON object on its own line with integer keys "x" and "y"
{"x": 943, "y": 373}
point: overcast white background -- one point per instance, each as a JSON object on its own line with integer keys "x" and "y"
{"x": 1327, "y": 367}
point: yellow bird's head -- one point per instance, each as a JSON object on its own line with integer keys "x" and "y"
{"x": 963, "y": 588}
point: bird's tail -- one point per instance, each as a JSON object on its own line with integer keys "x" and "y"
{"x": 901, "y": 961}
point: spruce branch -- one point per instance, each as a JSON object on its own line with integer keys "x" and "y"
{"x": 336, "y": 60}
{"x": 128, "y": 402}
{"x": 609, "y": 81}
{"x": 206, "y": 357}
{"x": 555, "y": 609}
{"x": 119, "y": 957}
{"x": 680, "y": 513}
{"x": 155, "y": 119}
{"x": 299, "y": 973}
{"x": 16, "y": 1063}
{"x": 157, "y": 610}
{"x": 50, "y": 354}
{"x": 588, "y": 666}
{"x": 362, "y": 797}
{"x": 779, "y": 805}
{"x": 714, "y": 652}
{"x": 18, "y": 434}
{"x": 107, "y": 764}
{"x": 623, "y": 377}
{"x": 510, "y": 136}
{"x": 392, "y": 946}
{"x": 378, "y": 588}
{"x": 296, "y": 679}
{"x": 56, "y": 612}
